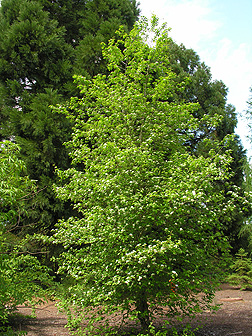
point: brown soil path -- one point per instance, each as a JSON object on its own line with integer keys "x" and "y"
{"x": 48, "y": 321}
{"x": 233, "y": 319}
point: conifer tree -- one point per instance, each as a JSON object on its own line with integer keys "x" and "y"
{"x": 38, "y": 52}
{"x": 242, "y": 271}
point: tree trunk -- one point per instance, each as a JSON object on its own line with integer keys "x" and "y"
{"x": 143, "y": 312}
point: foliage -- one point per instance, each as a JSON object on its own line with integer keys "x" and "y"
{"x": 246, "y": 229}
{"x": 100, "y": 21}
{"x": 34, "y": 64}
{"x": 150, "y": 213}
{"x": 152, "y": 331}
{"x": 39, "y": 54}
{"x": 9, "y": 332}
{"x": 81, "y": 18}
{"x": 23, "y": 280}
{"x": 245, "y": 233}
{"x": 15, "y": 187}
{"x": 242, "y": 269}
{"x": 22, "y": 277}
{"x": 211, "y": 95}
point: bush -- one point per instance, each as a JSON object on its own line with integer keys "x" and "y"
{"x": 9, "y": 332}
{"x": 22, "y": 278}
{"x": 242, "y": 267}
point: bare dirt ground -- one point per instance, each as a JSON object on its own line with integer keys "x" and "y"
{"x": 234, "y": 318}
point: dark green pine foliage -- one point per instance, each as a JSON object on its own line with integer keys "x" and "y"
{"x": 39, "y": 54}
{"x": 34, "y": 54}
{"x": 42, "y": 138}
{"x": 238, "y": 153}
{"x": 69, "y": 14}
{"x": 100, "y": 18}
{"x": 210, "y": 94}
{"x": 242, "y": 271}
{"x": 82, "y": 17}
{"x": 35, "y": 63}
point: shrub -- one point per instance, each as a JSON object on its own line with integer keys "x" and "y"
{"x": 242, "y": 271}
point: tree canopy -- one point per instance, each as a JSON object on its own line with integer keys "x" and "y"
{"x": 40, "y": 45}
{"x": 151, "y": 212}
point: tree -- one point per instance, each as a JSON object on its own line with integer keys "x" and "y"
{"x": 23, "y": 279}
{"x": 246, "y": 229}
{"x": 212, "y": 99}
{"x": 242, "y": 268}
{"x": 150, "y": 215}
{"x": 15, "y": 187}
{"x": 100, "y": 20}
{"x": 38, "y": 52}
{"x": 34, "y": 64}
{"x": 249, "y": 112}
{"x": 81, "y": 18}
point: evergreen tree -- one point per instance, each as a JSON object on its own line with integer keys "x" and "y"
{"x": 100, "y": 18}
{"x": 242, "y": 271}
{"x": 81, "y": 18}
{"x": 38, "y": 52}
{"x": 246, "y": 229}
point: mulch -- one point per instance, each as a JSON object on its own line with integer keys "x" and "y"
{"x": 234, "y": 318}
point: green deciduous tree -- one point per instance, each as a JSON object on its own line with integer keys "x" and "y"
{"x": 16, "y": 189}
{"x": 150, "y": 213}
{"x": 22, "y": 278}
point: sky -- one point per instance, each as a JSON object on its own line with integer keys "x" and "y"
{"x": 220, "y": 32}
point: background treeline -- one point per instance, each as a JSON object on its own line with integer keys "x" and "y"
{"x": 42, "y": 45}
